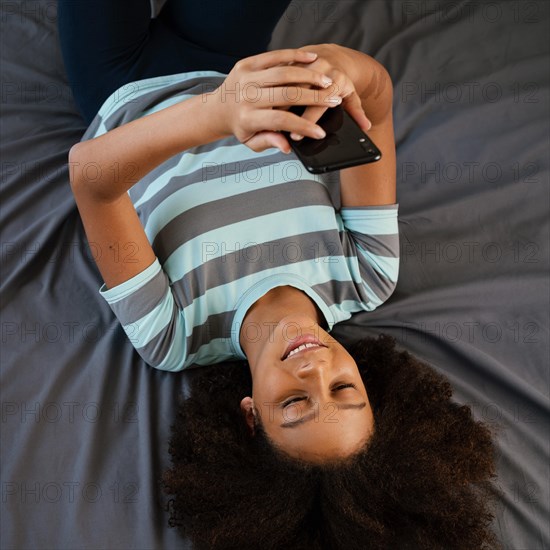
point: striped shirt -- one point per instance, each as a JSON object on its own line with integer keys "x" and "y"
{"x": 227, "y": 225}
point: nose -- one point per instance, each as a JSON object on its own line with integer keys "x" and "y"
{"x": 310, "y": 368}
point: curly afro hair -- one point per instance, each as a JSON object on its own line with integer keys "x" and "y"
{"x": 423, "y": 480}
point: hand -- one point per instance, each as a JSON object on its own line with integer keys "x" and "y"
{"x": 358, "y": 78}
{"x": 253, "y": 100}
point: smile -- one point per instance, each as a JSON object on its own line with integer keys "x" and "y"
{"x": 302, "y": 343}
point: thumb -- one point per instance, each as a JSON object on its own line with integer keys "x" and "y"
{"x": 354, "y": 107}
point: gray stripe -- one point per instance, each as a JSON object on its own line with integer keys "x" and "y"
{"x": 336, "y": 292}
{"x": 217, "y": 325}
{"x": 156, "y": 350}
{"x": 92, "y": 128}
{"x": 381, "y": 245}
{"x": 220, "y": 213}
{"x": 136, "y": 192}
{"x": 350, "y": 250}
{"x": 348, "y": 244}
{"x": 198, "y": 176}
{"x": 324, "y": 246}
{"x": 373, "y": 207}
{"x": 134, "y": 307}
{"x": 131, "y": 109}
{"x": 380, "y": 285}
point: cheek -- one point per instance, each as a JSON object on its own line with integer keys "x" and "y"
{"x": 266, "y": 388}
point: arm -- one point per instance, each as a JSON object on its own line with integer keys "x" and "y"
{"x": 373, "y": 184}
{"x": 107, "y": 213}
{"x": 371, "y": 232}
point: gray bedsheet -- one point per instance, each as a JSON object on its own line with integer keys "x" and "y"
{"x": 85, "y": 423}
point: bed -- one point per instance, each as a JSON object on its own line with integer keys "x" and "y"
{"x": 85, "y": 423}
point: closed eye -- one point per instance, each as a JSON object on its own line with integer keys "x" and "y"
{"x": 296, "y": 399}
{"x": 290, "y": 401}
{"x": 342, "y": 386}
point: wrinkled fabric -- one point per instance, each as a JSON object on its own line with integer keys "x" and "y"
{"x": 85, "y": 423}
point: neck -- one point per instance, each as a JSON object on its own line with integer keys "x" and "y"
{"x": 266, "y": 312}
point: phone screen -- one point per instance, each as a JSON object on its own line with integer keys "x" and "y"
{"x": 344, "y": 146}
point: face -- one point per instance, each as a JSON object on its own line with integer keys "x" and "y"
{"x": 308, "y": 392}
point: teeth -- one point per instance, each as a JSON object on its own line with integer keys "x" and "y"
{"x": 300, "y": 348}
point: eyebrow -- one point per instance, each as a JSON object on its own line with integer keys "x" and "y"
{"x": 311, "y": 415}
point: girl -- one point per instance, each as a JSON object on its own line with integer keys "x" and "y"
{"x": 222, "y": 266}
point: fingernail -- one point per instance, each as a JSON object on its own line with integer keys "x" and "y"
{"x": 311, "y": 55}
{"x": 336, "y": 100}
{"x": 319, "y": 132}
{"x": 326, "y": 81}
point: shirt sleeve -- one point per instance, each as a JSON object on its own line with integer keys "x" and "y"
{"x": 149, "y": 315}
{"x": 372, "y": 235}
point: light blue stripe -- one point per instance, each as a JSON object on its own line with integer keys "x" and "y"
{"x": 344, "y": 310}
{"x": 370, "y": 222}
{"x": 389, "y": 267}
{"x": 373, "y": 303}
{"x": 245, "y": 233}
{"x": 142, "y": 331}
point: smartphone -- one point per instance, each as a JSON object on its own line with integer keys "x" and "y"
{"x": 344, "y": 146}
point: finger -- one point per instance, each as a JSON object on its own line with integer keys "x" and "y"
{"x": 312, "y": 114}
{"x": 275, "y": 57}
{"x": 277, "y": 76}
{"x": 293, "y": 95}
{"x": 286, "y": 121}
{"x": 352, "y": 104}
{"x": 267, "y": 140}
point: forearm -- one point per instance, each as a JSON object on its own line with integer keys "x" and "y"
{"x": 107, "y": 166}
{"x": 373, "y": 184}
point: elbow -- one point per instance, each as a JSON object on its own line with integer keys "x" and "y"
{"x": 75, "y": 166}
{"x": 86, "y": 178}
